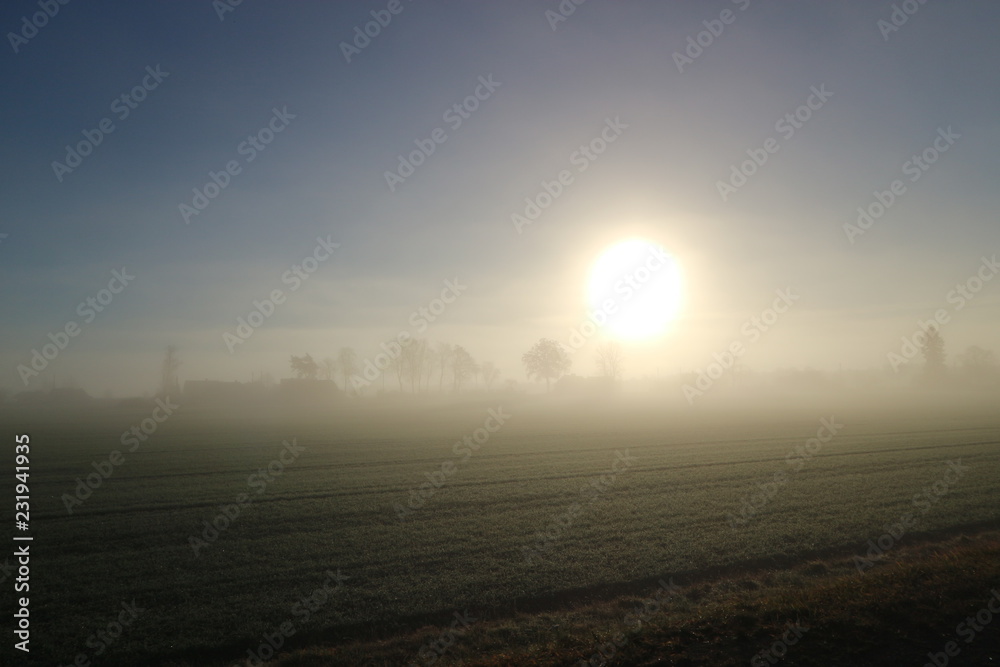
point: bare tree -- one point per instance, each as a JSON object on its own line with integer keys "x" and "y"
{"x": 610, "y": 360}
{"x": 398, "y": 366}
{"x": 546, "y": 360}
{"x": 347, "y": 361}
{"x": 305, "y": 367}
{"x": 169, "y": 384}
{"x": 443, "y": 354}
{"x": 490, "y": 374}
{"x": 413, "y": 356}
{"x": 463, "y": 366}
{"x": 428, "y": 364}
{"x": 327, "y": 368}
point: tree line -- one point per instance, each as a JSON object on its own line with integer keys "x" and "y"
{"x": 419, "y": 365}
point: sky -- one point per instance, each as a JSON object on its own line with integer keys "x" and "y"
{"x": 647, "y": 111}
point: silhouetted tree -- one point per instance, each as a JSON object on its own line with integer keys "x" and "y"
{"x": 327, "y": 368}
{"x": 933, "y": 350}
{"x": 304, "y": 367}
{"x": 347, "y": 361}
{"x": 169, "y": 384}
{"x": 546, "y": 360}
{"x": 463, "y": 366}
{"x": 443, "y": 352}
{"x": 398, "y": 366}
{"x": 610, "y": 360}
{"x": 428, "y": 362}
{"x": 413, "y": 357}
{"x": 977, "y": 362}
{"x": 490, "y": 374}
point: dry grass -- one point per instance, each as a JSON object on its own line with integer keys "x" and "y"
{"x": 905, "y": 606}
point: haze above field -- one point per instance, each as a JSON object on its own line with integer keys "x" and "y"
{"x": 675, "y": 124}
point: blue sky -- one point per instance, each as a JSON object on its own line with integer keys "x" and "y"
{"x": 324, "y": 175}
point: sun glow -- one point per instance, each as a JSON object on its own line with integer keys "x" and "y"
{"x": 636, "y": 286}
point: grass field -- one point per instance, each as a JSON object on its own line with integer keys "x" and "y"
{"x": 321, "y": 547}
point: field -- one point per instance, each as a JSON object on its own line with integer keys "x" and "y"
{"x": 562, "y": 504}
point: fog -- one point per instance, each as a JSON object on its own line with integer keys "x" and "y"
{"x": 262, "y": 172}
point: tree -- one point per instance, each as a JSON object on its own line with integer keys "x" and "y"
{"x": 327, "y": 368}
{"x": 427, "y": 364}
{"x": 432, "y": 359}
{"x": 347, "y": 361}
{"x": 933, "y": 350}
{"x": 413, "y": 356}
{"x": 546, "y": 360}
{"x": 304, "y": 367}
{"x": 610, "y": 360}
{"x": 977, "y": 362}
{"x": 463, "y": 366}
{"x": 490, "y": 374}
{"x": 169, "y": 384}
{"x": 443, "y": 354}
{"x": 398, "y": 366}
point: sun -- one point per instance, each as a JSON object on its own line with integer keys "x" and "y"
{"x": 634, "y": 288}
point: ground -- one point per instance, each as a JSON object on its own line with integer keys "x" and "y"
{"x": 363, "y": 530}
